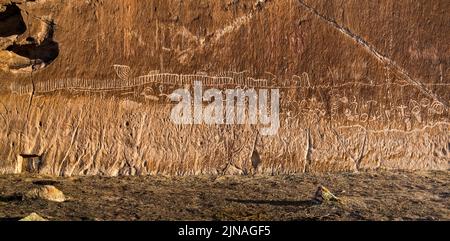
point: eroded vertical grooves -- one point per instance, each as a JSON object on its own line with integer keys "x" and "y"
{"x": 339, "y": 110}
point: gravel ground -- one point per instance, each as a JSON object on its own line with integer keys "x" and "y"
{"x": 378, "y": 195}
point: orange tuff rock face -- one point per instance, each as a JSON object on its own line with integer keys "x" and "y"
{"x": 85, "y": 86}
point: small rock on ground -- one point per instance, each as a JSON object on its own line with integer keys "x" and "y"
{"x": 33, "y": 217}
{"x": 46, "y": 192}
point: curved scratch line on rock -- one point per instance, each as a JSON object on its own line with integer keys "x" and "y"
{"x": 236, "y": 24}
{"x": 371, "y": 49}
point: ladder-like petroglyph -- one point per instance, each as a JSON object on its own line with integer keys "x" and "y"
{"x": 229, "y": 79}
{"x": 124, "y": 81}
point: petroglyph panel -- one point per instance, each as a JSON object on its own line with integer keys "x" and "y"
{"x": 84, "y": 86}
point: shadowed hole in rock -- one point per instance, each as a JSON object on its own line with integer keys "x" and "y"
{"x": 30, "y": 39}
{"x": 10, "y": 198}
{"x": 30, "y": 163}
{"x": 11, "y": 21}
{"x": 46, "y": 52}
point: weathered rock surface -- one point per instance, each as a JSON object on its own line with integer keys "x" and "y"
{"x": 364, "y": 85}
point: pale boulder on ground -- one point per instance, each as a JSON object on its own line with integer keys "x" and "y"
{"x": 46, "y": 192}
{"x": 33, "y": 217}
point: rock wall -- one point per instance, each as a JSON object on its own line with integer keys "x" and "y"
{"x": 84, "y": 85}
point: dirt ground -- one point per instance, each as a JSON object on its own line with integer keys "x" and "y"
{"x": 366, "y": 196}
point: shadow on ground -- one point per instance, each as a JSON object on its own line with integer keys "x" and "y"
{"x": 301, "y": 203}
{"x": 10, "y": 198}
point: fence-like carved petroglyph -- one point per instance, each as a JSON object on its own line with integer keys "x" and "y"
{"x": 227, "y": 78}
{"x": 118, "y": 84}
{"x": 230, "y": 79}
